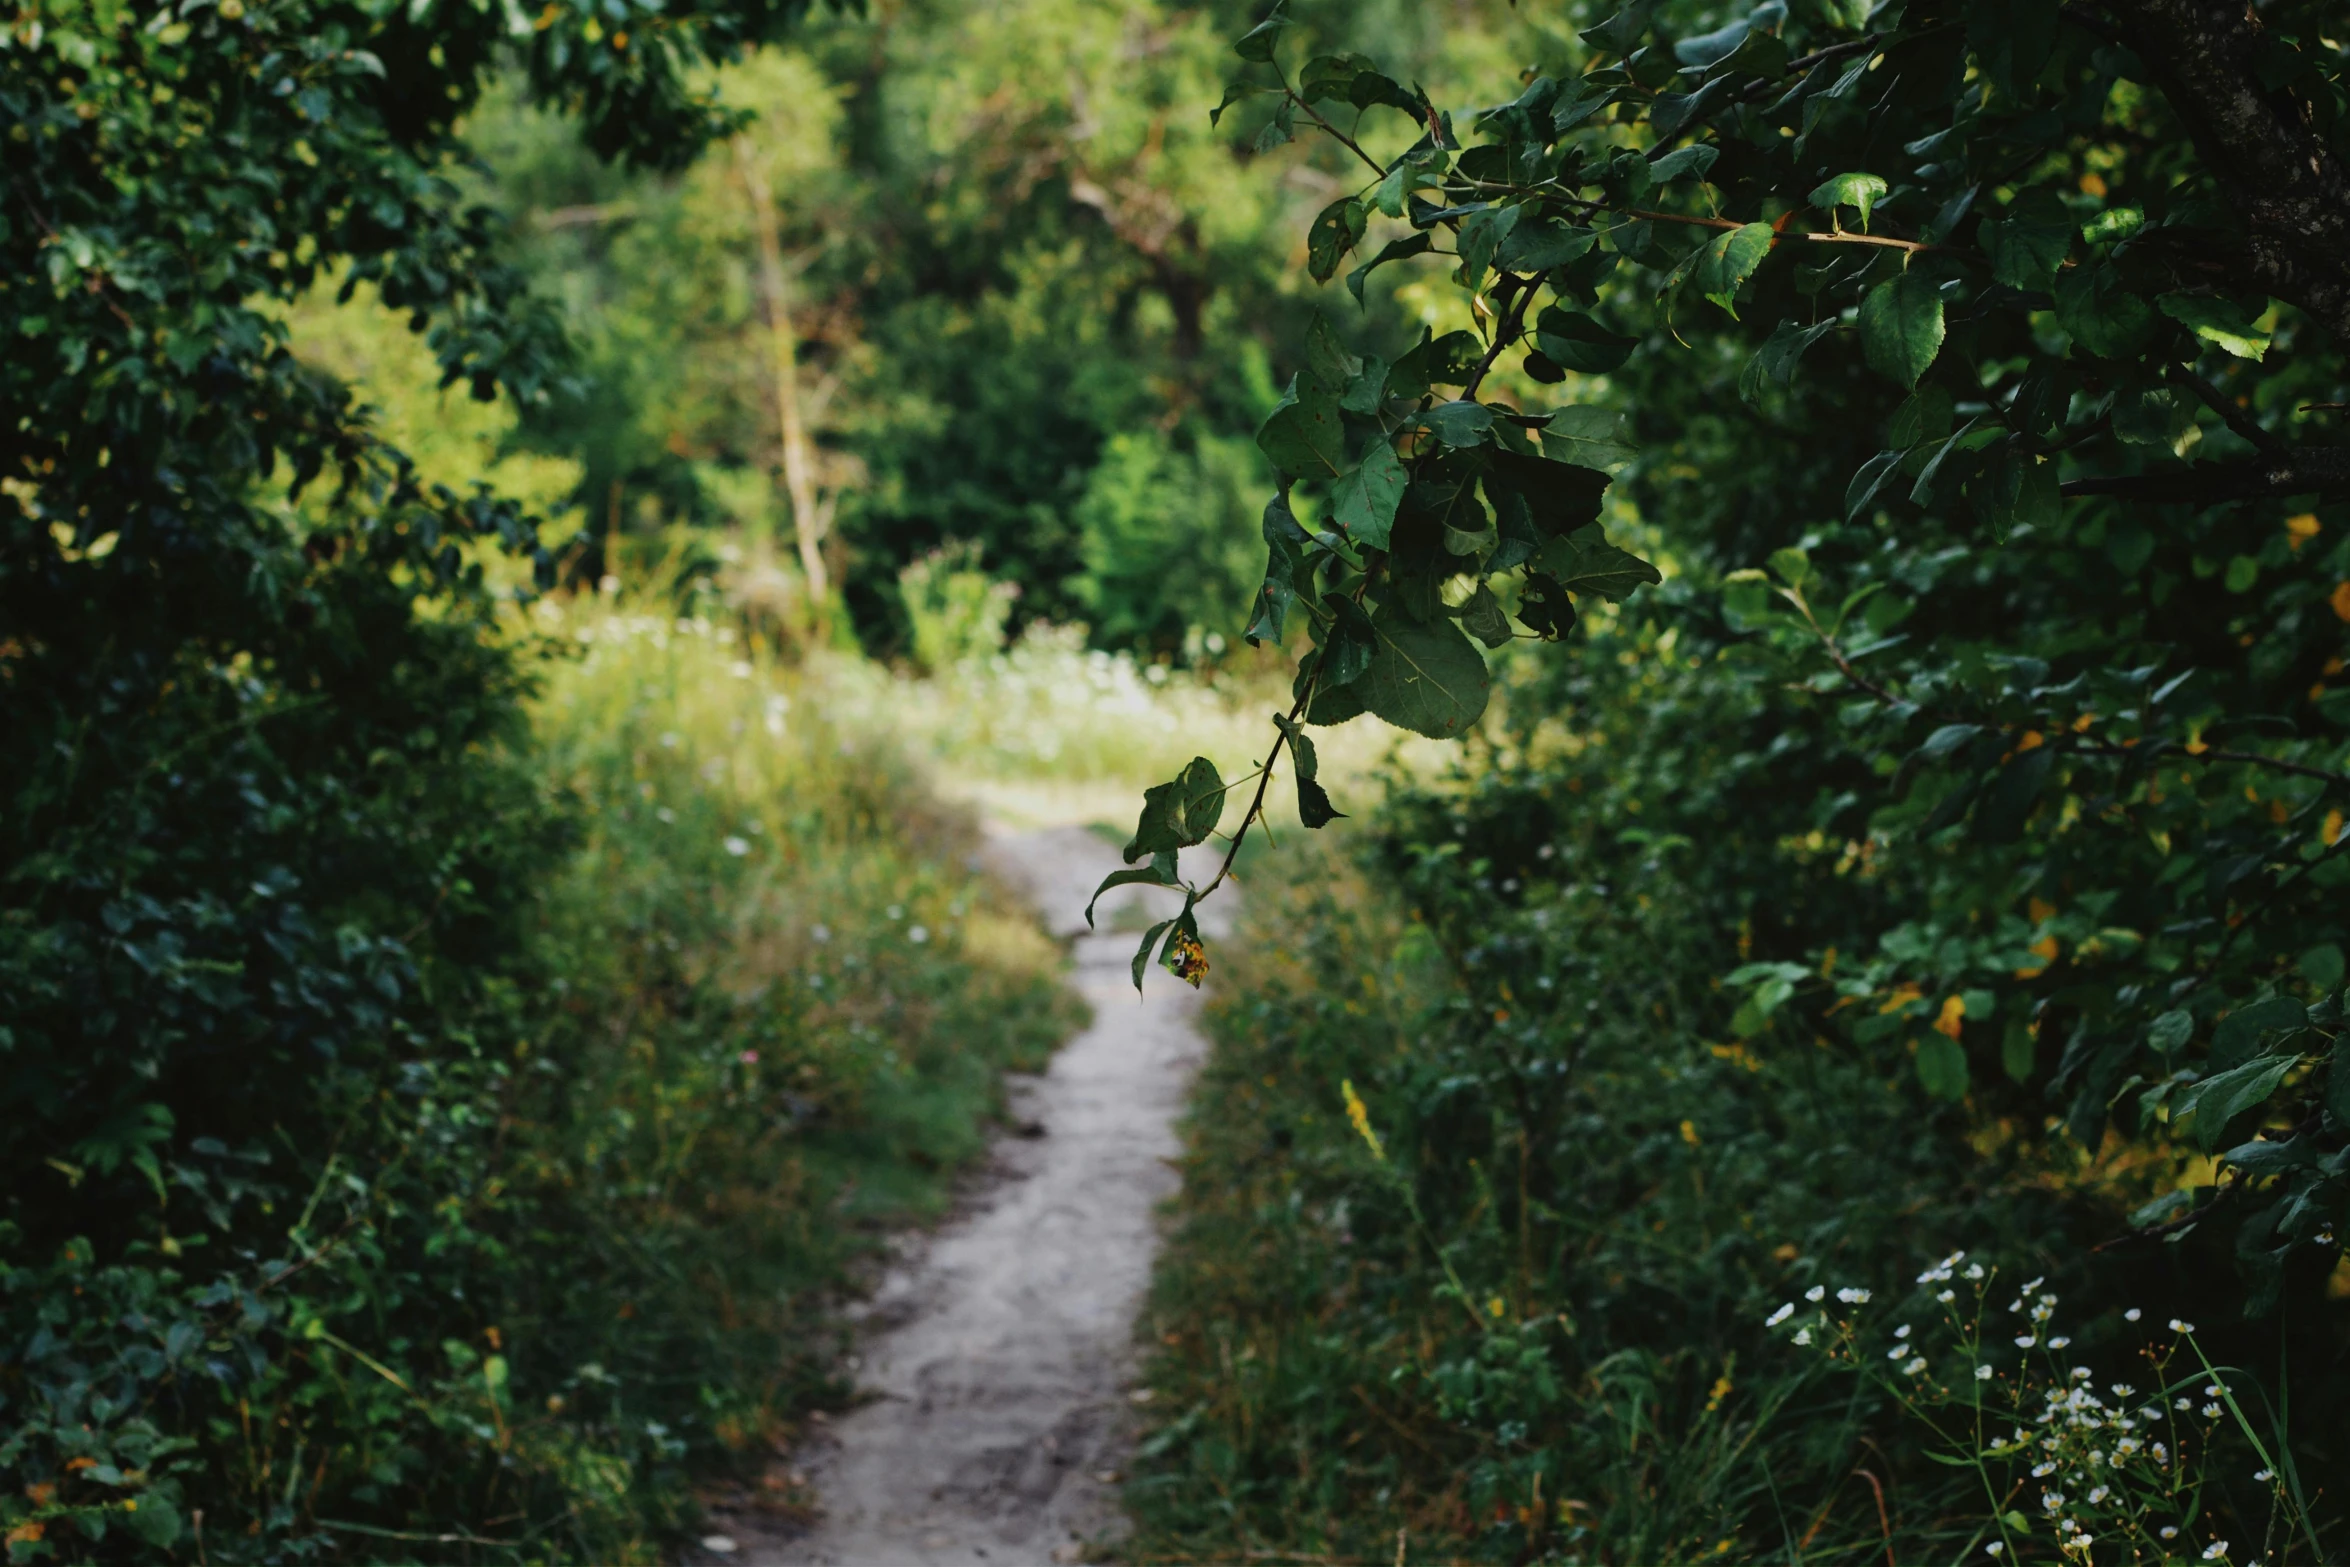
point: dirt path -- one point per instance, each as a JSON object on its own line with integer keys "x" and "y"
{"x": 1001, "y": 1354}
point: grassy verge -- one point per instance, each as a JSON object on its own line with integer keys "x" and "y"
{"x": 1479, "y": 1245}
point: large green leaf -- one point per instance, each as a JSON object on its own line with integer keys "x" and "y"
{"x": 2029, "y": 240}
{"x": 1337, "y": 230}
{"x": 2103, "y": 314}
{"x": 1861, "y": 192}
{"x": 1723, "y": 266}
{"x": 1901, "y": 326}
{"x": 2220, "y": 1098}
{"x": 1178, "y": 813}
{"x": 1574, "y": 341}
{"x": 2222, "y": 323}
{"x": 1364, "y": 499}
{"x": 1304, "y": 434}
{"x": 1585, "y": 562}
{"x": 1427, "y": 678}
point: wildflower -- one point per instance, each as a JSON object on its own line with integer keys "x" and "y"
{"x": 1853, "y": 1297}
{"x": 1994, "y": 1548}
{"x": 2060, "y": 1342}
{"x": 1915, "y": 1366}
{"x": 1901, "y": 1331}
{"x": 2179, "y": 1402}
{"x": 2132, "y": 1315}
{"x": 2033, "y": 1284}
{"x": 1815, "y": 1292}
{"x": 2099, "y": 1495}
{"x": 1779, "y": 1316}
{"x": 2122, "y": 1389}
{"x": 1982, "y": 1373}
{"x": 1361, "y": 1117}
{"x": 738, "y": 847}
{"x": 895, "y": 913}
{"x": 2264, "y": 1476}
{"x": 2170, "y": 1531}
{"x": 2176, "y": 1326}
{"x": 1947, "y": 1296}
{"x": 1974, "y": 1272}
{"x": 2043, "y": 1471}
{"x": 2216, "y": 1550}
{"x": 1897, "y": 1351}
{"x": 2016, "y": 1304}
{"x": 2211, "y": 1411}
{"x": 2025, "y": 1341}
{"x": 918, "y": 934}
{"x": 665, "y": 814}
{"x": 1802, "y": 1336}
{"x": 2162, "y": 1457}
{"x": 2052, "y": 1501}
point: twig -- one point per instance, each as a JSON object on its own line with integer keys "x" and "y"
{"x": 1256, "y": 805}
{"x": 1506, "y": 332}
{"x": 2235, "y": 418}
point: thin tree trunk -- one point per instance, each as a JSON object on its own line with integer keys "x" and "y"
{"x": 808, "y": 515}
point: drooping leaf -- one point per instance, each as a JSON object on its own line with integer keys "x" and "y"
{"x": 1349, "y": 644}
{"x": 1544, "y": 608}
{"x": 2221, "y": 1097}
{"x": 1860, "y": 192}
{"x": 1723, "y": 266}
{"x": 1257, "y": 43}
{"x": 1482, "y": 617}
{"x": 1160, "y": 872}
{"x": 1393, "y": 250}
{"x": 1901, "y": 326}
{"x": 1178, "y": 813}
{"x": 1313, "y": 802}
{"x": 1337, "y": 230}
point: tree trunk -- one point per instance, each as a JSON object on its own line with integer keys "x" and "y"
{"x": 808, "y": 514}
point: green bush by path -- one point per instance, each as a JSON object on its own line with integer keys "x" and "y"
{"x": 1534, "y": 1324}
{"x": 499, "y": 1285}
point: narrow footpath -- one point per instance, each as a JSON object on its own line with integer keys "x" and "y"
{"x": 999, "y": 1363}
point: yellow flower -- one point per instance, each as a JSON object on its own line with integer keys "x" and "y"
{"x": 1361, "y": 1118}
{"x": 1953, "y": 1009}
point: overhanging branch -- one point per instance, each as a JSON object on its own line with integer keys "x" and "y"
{"x": 2300, "y": 470}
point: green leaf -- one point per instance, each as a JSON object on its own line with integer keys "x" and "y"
{"x": 1160, "y": 872}
{"x": 1724, "y": 265}
{"x": 1327, "y": 361}
{"x": 1558, "y": 497}
{"x": 1313, "y": 803}
{"x": 1858, "y": 191}
{"x": 2219, "y": 322}
{"x": 1588, "y": 436}
{"x": 1901, "y": 326}
{"x": 1694, "y": 161}
{"x": 2169, "y": 1033}
{"x": 2321, "y": 965}
{"x": 1585, "y": 562}
{"x": 1482, "y": 617}
{"x": 1394, "y": 250}
{"x": 1777, "y": 358}
{"x": 1942, "y": 1067}
{"x": 2100, "y": 312}
{"x": 1142, "y": 954}
{"x": 1331, "y": 75}
{"x": 2016, "y": 490}
{"x": 1537, "y": 244}
{"x": 1576, "y": 342}
{"x": 1460, "y": 423}
{"x": 2220, "y": 1098}
{"x": 1257, "y": 43}
{"x": 2028, "y": 242}
{"x": 1304, "y": 435}
{"x": 1337, "y": 230}
{"x": 1793, "y": 567}
{"x": 1868, "y": 480}
{"x": 1364, "y": 500}
{"x": 1178, "y": 813}
{"x": 1349, "y": 644}
{"x": 1428, "y": 678}
{"x": 1544, "y": 608}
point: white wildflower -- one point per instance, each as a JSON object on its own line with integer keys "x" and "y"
{"x": 1901, "y": 1331}
{"x": 2211, "y": 1411}
{"x": 1779, "y": 1316}
{"x": 1947, "y": 1296}
{"x": 2216, "y": 1550}
{"x": 2264, "y": 1476}
{"x": 1916, "y": 1366}
{"x": 1816, "y": 1292}
{"x": 2060, "y": 1342}
{"x": 1802, "y": 1336}
{"x": 2025, "y": 1341}
{"x": 2132, "y": 1315}
{"x": 2176, "y": 1326}
{"x": 738, "y": 847}
{"x": 1853, "y": 1297}
{"x": 1982, "y": 1373}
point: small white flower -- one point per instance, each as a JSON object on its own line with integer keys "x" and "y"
{"x": 2180, "y": 1402}
{"x": 1994, "y": 1548}
{"x": 2060, "y": 1342}
{"x": 1916, "y": 1366}
{"x": 2132, "y": 1315}
{"x": 2043, "y": 1471}
{"x": 2211, "y": 1390}
{"x": 1897, "y": 1351}
{"x": 2033, "y": 1284}
{"x": 895, "y": 913}
{"x": 1974, "y": 1271}
{"x": 2122, "y": 1389}
{"x": 2211, "y": 1411}
{"x": 2099, "y": 1495}
{"x": 2264, "y": 1476}
{"x": 2176, "y": 1326}
{"x": 1802, "y": 1336}
{"x": 1982, "y": 1373}
{"x": 2216, "y": 1550}
{"x": 1779, "y": 1316}
{"x": 2051, "y": 1501}
{"x": 1947, "y": 1296}
{"x": 2025, "y": 1341}
{"x": 738, "y": 847}
{"x": 2016, "y": 1304}
{"x": 918, "y": 934}
{"x": 1853, "y": 1297}
{"x": 1901, "y": 1331}
{"x": 2161, "y": 1456}
{"x": 666, "y": 814}
{"x": 2170, "y": 1531}
{"x": 1816, "y": 1292}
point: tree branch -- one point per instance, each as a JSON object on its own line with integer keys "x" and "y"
{"x": 2296, "y": 470}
